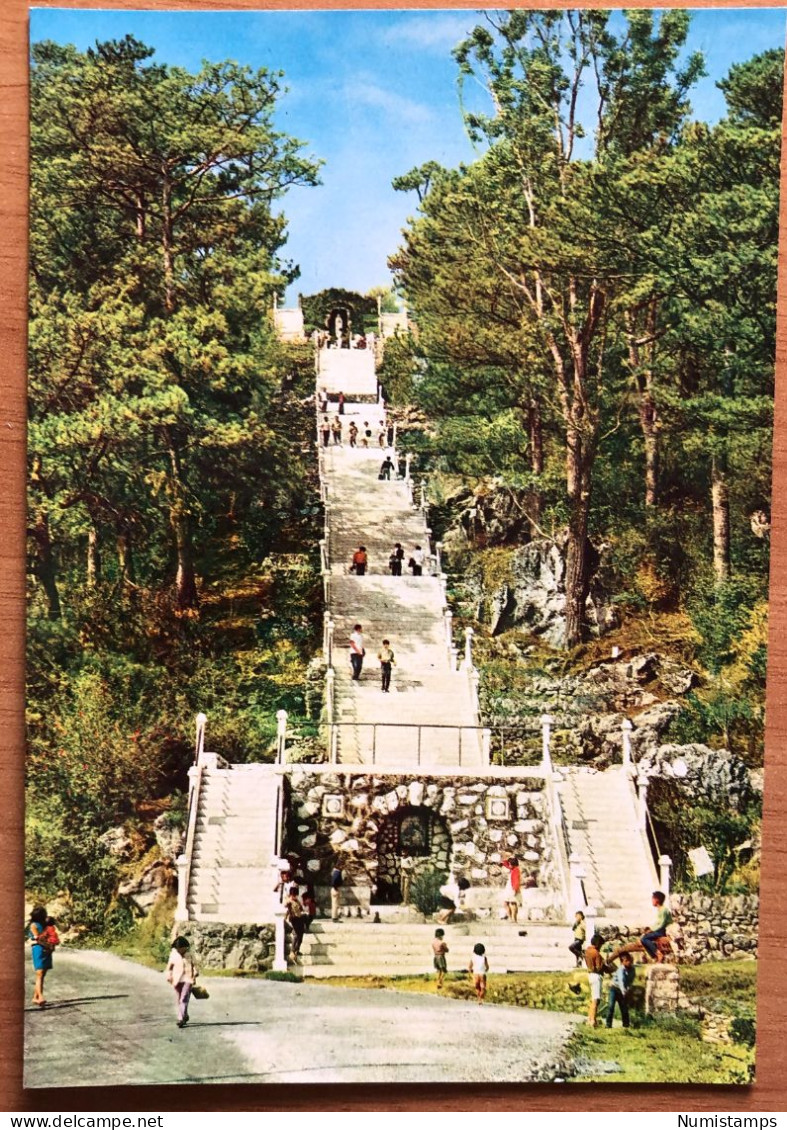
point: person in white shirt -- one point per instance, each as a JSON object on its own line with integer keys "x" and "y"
{"x": 357, "y": 652}
{"x": 417, "y": 561}
{"x": 181, "y": 974}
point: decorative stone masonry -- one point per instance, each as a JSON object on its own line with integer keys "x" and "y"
{"x": 216, "y": 945}
{"x": 662, "y": 990}
{"x": 722, "y": 926}
{"x": 706, "y": 928}
{"x": 471, "y": 824}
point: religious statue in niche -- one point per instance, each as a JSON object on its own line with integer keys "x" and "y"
{"x": 414, "y": 834}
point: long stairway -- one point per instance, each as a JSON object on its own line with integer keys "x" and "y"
{"x": 604, "y": 831}
{"x": 355, "y": 946}
{"x": 231, "y": 877}
{"x": 429, "y": 717}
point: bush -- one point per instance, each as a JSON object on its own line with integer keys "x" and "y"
{"x": 425, "y": 890}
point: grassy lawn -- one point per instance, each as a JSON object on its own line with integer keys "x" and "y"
{"x": 667, "y": 1048}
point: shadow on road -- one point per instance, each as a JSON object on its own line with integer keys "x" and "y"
{"x": 72, "y": 1002}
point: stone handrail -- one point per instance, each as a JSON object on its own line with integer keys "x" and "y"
{"x": 184, "y": 861}
{"x": 560, "y": 836}
{"x": 638, "y": 788}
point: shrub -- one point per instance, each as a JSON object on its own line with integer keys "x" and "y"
{"x": 425, "y": 890}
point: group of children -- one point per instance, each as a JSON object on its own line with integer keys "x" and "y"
{"x": 478, "y": 967}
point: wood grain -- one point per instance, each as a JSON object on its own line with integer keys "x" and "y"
{"x": 770, "y": 1091}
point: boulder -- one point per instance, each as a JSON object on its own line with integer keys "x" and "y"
{"x": 170, "y": 835}
{"x": 158, "y": 880}
{"x": 707, "y": 776}
{"x": 117, "y": 842}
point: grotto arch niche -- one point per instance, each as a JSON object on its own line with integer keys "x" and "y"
{"x": 413, "y": 830}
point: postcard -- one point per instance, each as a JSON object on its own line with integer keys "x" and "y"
{"x": 400, "y": 452}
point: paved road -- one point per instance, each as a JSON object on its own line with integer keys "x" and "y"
{"x": 113, "y": 1022}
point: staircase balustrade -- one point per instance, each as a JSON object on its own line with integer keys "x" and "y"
{"x": 559, "y": 829}
{"x": 281, "y": 737}
{"x": 184, "y": 862}
{"x": 626, "y": 729}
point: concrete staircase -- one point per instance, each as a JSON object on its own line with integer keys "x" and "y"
{"x": 360, "y": 946}
{"x": 429, "y": 717}
{"x": 350, "y": 371}
{"x": 231, "y": 878}
{"x": 603, "y": 829}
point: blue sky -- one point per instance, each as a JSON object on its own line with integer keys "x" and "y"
{"x": 373, "y": 94}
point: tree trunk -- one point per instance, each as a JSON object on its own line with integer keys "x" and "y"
{"x": 720, "y": 496}
{"x": 44, "y": 567}
{"x": 167, "y": 251}
{"x": 643, "y": 376}
{"x": 577, "y": 558}
{"x": 649, "y": 423}
{"x": 125, "y": 557}
{"x": 186, "y": 595}
{"x": 93, "y": 558}
{"x": 536, "y": 465}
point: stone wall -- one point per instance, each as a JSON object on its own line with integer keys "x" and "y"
{"x": 349, "y": 816}
{"x": 724, "y": 926}
{"x": 706, "y": 928}
{"x": 218, "y": 945}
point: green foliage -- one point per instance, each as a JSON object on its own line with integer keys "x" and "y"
{"x": 172, "y": 487}
{"x": 425, "y": 889}
{"x": 721, "y": 614}
{"x": 317, "y": 308}
{"x": 685, "y": 824}
{"x": 400, "y": 369}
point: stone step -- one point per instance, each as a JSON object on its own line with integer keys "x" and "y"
{"x": 422, "y": 967}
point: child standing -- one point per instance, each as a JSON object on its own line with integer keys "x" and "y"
{"x": 181, "y": 974}
{"x": 479, "y": 967}
{"x": 622, "y": 980}
{"x": 440, "y": 949}
{"x": 595, "y": 966}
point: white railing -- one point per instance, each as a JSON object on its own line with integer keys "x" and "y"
{"x": 184, "y": 860}
{"x": 560, "y": 836}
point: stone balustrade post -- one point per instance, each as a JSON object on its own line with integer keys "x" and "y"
{"x": 475, "y": 679}
{"x": 642, "y": 798}
{"x": 423, "y": 495}
{"x": 394, "y": 435}
{"x": 626, "y": 738}
{"x": 486, "y": 746}
{"x": 407, "y": 461}
{"x": 193, "y": 774}
{"x": 199, "y": 745}
{"x": 590, "y": 921}
{"x": 665, "y": 865}
{"x": 438, "y": 549}
{"x": 546, "y": 754}
{"x": 182, "y": 911}
{"x": 448, "y": 618}
{"x": 576, "y": 873}
{"x": 326, "y": 619}
{"x": 329, "y": 656}
{"x": 281, "y": 736}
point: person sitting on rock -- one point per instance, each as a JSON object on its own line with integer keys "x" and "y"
{"x": 661, "y": 921}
